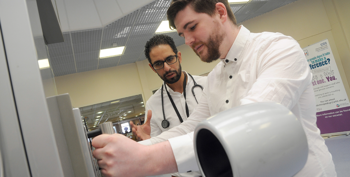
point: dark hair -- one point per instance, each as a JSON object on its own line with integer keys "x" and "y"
{"x": 158, "y": 40}
{"x": 199, "y": 6}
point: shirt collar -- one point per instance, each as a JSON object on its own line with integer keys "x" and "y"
{"x": 237, "y": 46}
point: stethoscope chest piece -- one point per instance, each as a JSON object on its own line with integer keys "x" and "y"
{"x": 165, "y": 123}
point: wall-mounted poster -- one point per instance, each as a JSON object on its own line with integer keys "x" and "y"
{"x": 332, "y": 102}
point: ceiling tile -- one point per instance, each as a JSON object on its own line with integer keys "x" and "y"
{"x": 86, "y": 47}
{"x": 120, "y": 28}
{"x": 236, "y": 7}
{"x": 61, "y": 14}
{"x": 62, "y": 60}
{"x": 64, "y": 69}
{"x": 113, "y": 43}
{"x": 86, "y": 65}
{"x": 128, "y": 6}
{"x": 87, "y": 57}
{"x": 153, "y": 12}
{"x": 136, "y": 41}
{"x": 82, "y": 15}
{"x": 108, "y": 11}
{"x": 93, "y": 35}
{"x": 247, "y": 10}
{"x": 142, "y": 29}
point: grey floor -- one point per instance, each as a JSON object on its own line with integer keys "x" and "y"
{"x": 340, "y": 150}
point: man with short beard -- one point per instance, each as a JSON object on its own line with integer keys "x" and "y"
{"x": 174, "y": 101}
{"x": 254, "y": 67}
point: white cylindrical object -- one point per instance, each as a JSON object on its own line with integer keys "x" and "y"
{"x": 259, "y": 139}
{"x": 107, "y": 128}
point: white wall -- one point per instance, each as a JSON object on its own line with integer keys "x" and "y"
{"x": 101, "y": 85}
{"x": 310, "y": 21}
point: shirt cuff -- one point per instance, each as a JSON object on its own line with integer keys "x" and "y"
{"x": 246, "y": 101}
{"x": 146, "y": 142}
{"x": 183, "y": 150}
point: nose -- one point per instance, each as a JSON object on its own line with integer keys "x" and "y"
{"x": 166, "y": 67}
{"x": 189, "y": 40}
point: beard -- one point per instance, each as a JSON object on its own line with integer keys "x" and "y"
{"x": 212, "y": 45}
{"x": 173, "y": 79}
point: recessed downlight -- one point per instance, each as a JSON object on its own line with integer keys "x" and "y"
{"x": 44, "y": 63}
{"x": 164, "y": 27}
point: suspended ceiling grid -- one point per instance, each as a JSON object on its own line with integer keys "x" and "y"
{"x": 80, "y": 50}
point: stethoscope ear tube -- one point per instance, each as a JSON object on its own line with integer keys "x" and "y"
{"x": 165, "y": 123}
{"x": 194, "y": 86}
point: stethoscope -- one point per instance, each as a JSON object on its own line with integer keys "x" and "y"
{"x": 166, "y": 123}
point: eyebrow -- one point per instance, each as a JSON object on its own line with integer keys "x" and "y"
{"x": 164, "y": 59}
{"x": 185, "y": 26}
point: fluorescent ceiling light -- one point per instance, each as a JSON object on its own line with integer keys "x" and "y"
{"x": 164, "y": 27}
{"x": 98, "y": 116}
{"x": 100, "y": 112}
{"x": 129, "y": 111}
{"x": 44, "y": 63}
{"x": 115, "y": 102}
{"x": 105, "y": 53}
{"x": 237, "y": 1}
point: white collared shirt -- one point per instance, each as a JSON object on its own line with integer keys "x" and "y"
{"x": 154, "y": 103}
{"x": 259, "y": 67}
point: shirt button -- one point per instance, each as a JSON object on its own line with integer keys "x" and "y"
{"x": 235, "y": 59}
{"x": 226, "y": 101}
{"x": 230, "y": 77}
{"x": 226, "y": 60}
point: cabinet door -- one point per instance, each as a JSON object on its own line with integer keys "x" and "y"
{"x": 13, "y": 158}
{"x": 28, "y": 105}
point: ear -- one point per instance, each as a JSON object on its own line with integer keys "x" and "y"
{"x": 221, "y": 11}
{"x": 149, "y": 64}
{"x": 179, "y": 56}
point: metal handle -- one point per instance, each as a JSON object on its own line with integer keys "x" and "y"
{"x": 107, "y": 128}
